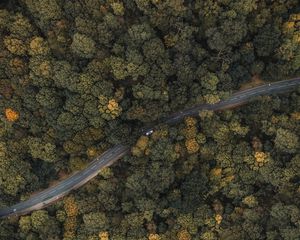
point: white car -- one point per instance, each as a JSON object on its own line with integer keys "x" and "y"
{"x": 149, "y": 132}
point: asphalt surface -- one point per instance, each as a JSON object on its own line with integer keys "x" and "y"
{"x": 58, "y": 191}
{"x": 54, "y": 193}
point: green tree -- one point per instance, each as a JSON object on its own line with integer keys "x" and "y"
{"x": 286, "y": 141}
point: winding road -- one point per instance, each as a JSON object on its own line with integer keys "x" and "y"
{"x": 54, "y": 193}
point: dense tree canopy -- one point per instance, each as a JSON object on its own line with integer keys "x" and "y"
{"x": 77, "y": 77}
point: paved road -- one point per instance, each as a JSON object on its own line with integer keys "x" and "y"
{"x": 237, "y": 98}
{"x": 56, "y": 192}
{"x": 53, "y": 193}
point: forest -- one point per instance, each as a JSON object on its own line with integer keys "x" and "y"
{"x": 78, "y": 77}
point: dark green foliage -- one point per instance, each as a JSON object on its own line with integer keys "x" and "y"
{"x": 286, "y": 141}
{"x": 83, "y": 46}
{"x": 267, "y": 40}
{"x": 83, "y": 75}
{"x": 95, "y": 222}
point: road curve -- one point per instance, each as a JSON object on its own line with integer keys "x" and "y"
{"x": 56, "y": 192}
{"x": 53, "y": 193}
{"x": 235, "y": 99}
